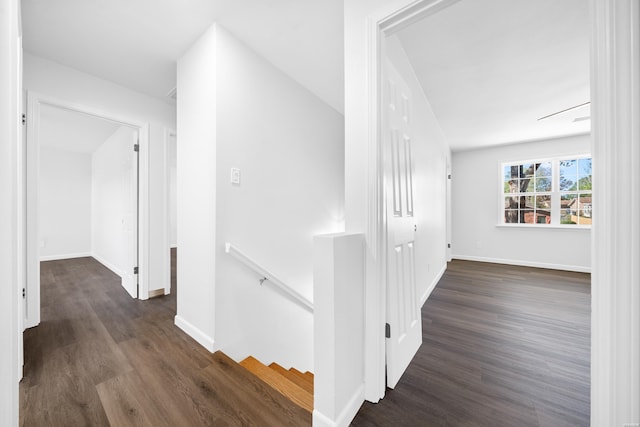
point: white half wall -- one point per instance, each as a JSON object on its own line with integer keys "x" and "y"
{"x": 111, "y": 199}
{"x": 74, "y": 87}
{"x": 431, "y": 156}
{"x": 288, "y": 146}
{"x": 476, "y": 196}
{"x": 65, "y": 204}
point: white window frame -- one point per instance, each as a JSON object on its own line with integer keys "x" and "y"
{"x": 555, "y": 192}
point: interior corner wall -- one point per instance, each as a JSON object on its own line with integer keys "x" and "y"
{"x": 289, "y": 147}
{"x": 111, "y": 187}
{"x": 69, "y": 85}
{"x": 65, "y": 204}
{"x": 476, "y": 192}
{"x": 196, "y": 189}
{"x": 431, "y": 156}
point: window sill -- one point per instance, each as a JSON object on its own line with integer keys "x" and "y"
{"x": 546, "y": 226}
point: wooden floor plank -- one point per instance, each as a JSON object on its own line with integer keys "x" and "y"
{"x": 101, "y": 358}
{"x": 502, "y": 346}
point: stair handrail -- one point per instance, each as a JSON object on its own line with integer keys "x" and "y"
{"x": 268, "y": 276}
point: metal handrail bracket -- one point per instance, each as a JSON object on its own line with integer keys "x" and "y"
{"x": 266, "y": 275}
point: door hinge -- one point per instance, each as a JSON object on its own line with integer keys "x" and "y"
{"x": 449, "y": 176}
{"x": 387, "y": 330}
{"x": 24, "y": 119}
{"x": 136, "y": 147}
{"x": 135, "y": 270}
{"x": 24, "y": 292}
{"x": 449, "y": 245}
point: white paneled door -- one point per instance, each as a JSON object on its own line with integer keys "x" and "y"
{"x": 404, "y": 326}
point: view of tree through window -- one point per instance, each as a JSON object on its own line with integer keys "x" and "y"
{"x": 556, "y": 191}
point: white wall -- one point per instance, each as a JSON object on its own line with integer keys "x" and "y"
{"x": 72, "y": 86}
{"x": 173, "y": 191}
{"x": 236, "y": 110}
{"x": 288, "y": 145}
{"x": 9, "y": 139}
{"x": 65, "y": 204}
{"x": 197, "y": 189}
{"x": 431, "y": 155}
{"x": 111, "y": 186}
{"x": 476, "y": 196}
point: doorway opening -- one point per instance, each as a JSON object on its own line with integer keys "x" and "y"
{"x": 86, "y": 192}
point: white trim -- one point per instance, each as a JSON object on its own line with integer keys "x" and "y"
{"x": 173, "y": 246}
{"x": 110, "y": 266}
{"x": 546, "y": 226}
{"x": 347, "y": 414}
{"x": 383, "y": 23}
{"x": 521, "y": 263}
{"x": 201, "y": 338}
{"x": 34, "y": 100}
{"x": 432, "y": 286}
{"x": 166, "y": 233}
{"x": 65, "y": 256}
{"x": 615, "y": 295}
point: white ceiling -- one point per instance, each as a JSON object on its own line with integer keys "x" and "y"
{"x": 72, "y": 131}
{"x": 492, "y": 68}
{"x": 137, "y": 43}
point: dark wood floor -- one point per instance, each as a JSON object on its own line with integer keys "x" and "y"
{"x": 100, "y": 358}
{"x": 502, "y": 346}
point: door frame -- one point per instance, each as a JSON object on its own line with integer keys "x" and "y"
{"x": 385, "y": 23}
{"x": 168, "y": 134}
{"x": 614, "y": 62}
{"x": 34, "y": 102}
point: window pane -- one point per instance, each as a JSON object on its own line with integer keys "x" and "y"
{"x": 528, "y": 184}
{"x": 543, "y": 202}
{"x": 528, "y": 216}
{"x": 527, "y": 170}
{"x": 543, "y": 184}
{"x": 584, "y": 209}
{"x": 512, "y": 186}
{"x": 510, "y": 171}
{"x": 511, "y": 216}
{"x": 584, "y": 174}
{"x": 544, "y": 169}
{"x": 511, "y": 202}
{"x": 568, "y": 182}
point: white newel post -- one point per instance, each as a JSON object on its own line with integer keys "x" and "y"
{"x": 615, "y": 356}
{"x": 338, "y": 294}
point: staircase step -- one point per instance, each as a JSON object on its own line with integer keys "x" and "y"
{"x": 288, "y": 388}
{"x": 271, "y": 406}
{"x": 301, "y": 381}
{"x": 308, "y": 376}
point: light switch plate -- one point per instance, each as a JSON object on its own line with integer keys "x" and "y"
{"x": 235, "y": 176}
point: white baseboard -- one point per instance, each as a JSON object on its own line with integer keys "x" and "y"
{"x": 108, "y": 265}
{"x": 346, "y": 415}
{"x": 64, "y": 256}
{"x": 576, "y": 268}
{"x": 433, "y": 284}
{"x": 195, "y": 333}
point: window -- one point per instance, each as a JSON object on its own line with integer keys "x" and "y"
{"x": 552, "y": 191}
